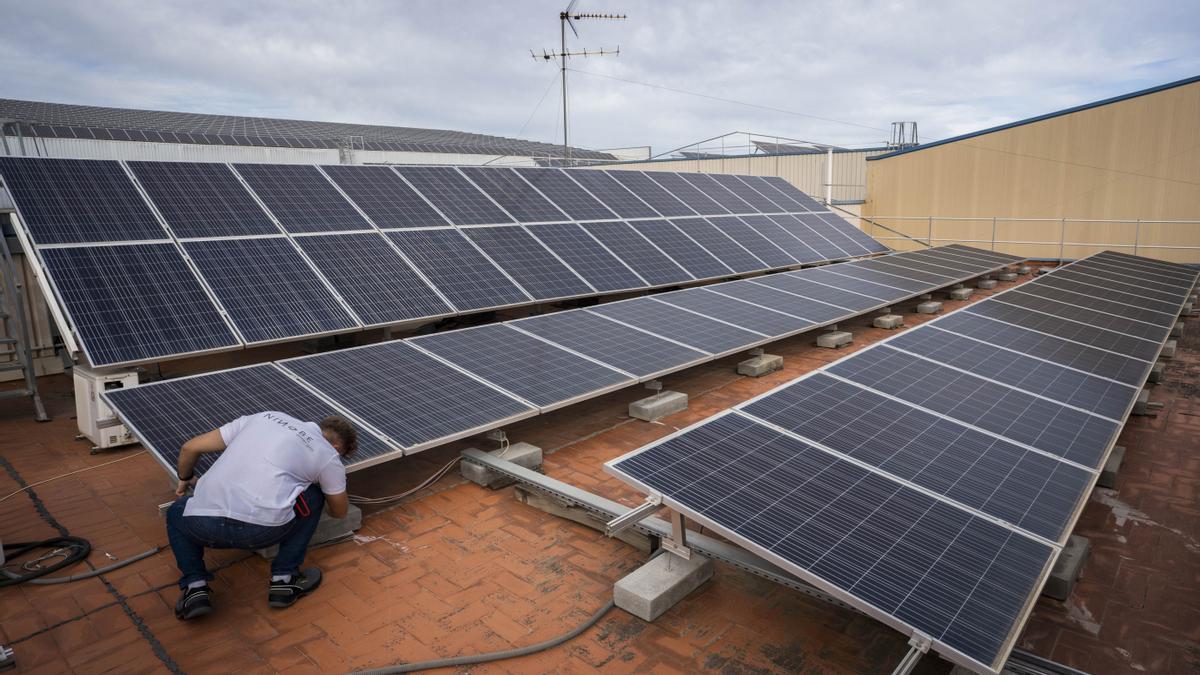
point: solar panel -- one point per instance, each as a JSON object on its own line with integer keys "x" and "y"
{"x": 372, "y": 278}
{"x": 826, "y": 250}
{"x": 165, "y": 414}
{"x": 1111, "y": 293}
{"x": 1014, "y": 414}
{"x": 566, "y": 194}
{"x": 1115, "y": 265}
{"x": 941, "y": 262}
{"x": 453, "y": 195}
{"x": 880, "y": 276}
{"x": 267, "y": 288}
{"x": 135, "y": 303}
{"x": 814, "y": 310}
{"x": 65, "y": 201}
{"x": 517, "y": 197}
{"x": 386, "y": 199}
{"x": 853, "y": 233}
{"x": 775, "y": 232}
{"x": 1150, "y": 265}
{"x": 1144, "y": 350}
{"x": 916, "y": 560}
{"x": 202, "y": 199}
{"x": 834, "y": 234}
{"x": 590, "y": 259}
{"x": 757, "y": 318}
{"x": 528, "y": 262}
{"x": 301, "y": 198}
{"x": 538, "y": 372}
{"x": 464, "y": 275}
{"x": 699, "y": 332}
{"x": 758, "y": 202}
{"x": 650, "y": 192}
{"x": 1033, "y": 299}
{"x": 717, "y": 192}
{"x": 979, "y": 254}
{"x": 411, "y": 397}
{"x": 911, "y": 268}
{"x": 638, "y": 253}
{"x": 1140, "y": 287}
{"x": 809, "y": 285}
{"x": 609, "y": 342}
{"x": 759, "y": 246}
{"x": 687, "y": 193}
{"x": 694, "y": 258}
{"x": 792, "y": 192}
{"x": 760, "y": 184}
{"x": 990, "y": 475}
{"x": 719, "y": 244}
{"x": 614, "y": 195}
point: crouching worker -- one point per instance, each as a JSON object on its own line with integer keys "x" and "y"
{"x": 273, "y": 476}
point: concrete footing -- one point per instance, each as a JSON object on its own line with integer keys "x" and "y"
{"x": 521, "y": 454}
{"x": 1177, "y": 329}
{"x": 961, "y": 293}
{"x": 659, "y": 405}
{"x": 328, "y": 529}
{"x": 1066, "y": 568}
{"x": 1108, "y": 475}
{"x": 1168, "y": 350}
{"x": 1046, "y": 270}
{"x": 1024, "y": 269}
{"x": 1007, "y": 276}
{"x": 1156, "y": 372}
{"x": 986, "y": 284}
{"x": 888, "y": 321}
{"x": 834, "y": 339}
{"x": 929, "y": 307}
{"x": 1142, "y": 405}
{"x": 760, "y": 365}
{"x": 655, "y": 587}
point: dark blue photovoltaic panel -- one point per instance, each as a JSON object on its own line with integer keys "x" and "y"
{"x": 407, "y": 394}
{"x": 386, "y": 199}
{"x": 638, "y": 253}
{"x": 267, "y": 288}
{"x": 1124, "y": 345}
{"x": 803, "y": 285}
{"x": 1101, "y": 396}
{"x": 853, "y": 233}
{"x": 453, "y": 195}
{"x": 981, "y": 254}
{"x": 1141, "y": 263}
{"x": 959, "y": 578}
{"x": 687, "y": 193}
{"x": 693, "y": 257}
{"x": 65, "y": 201}
{"x": 166, "y": 414}
{"x": 202, "y": 199}
{"x": 301, "y": 198}
{"x": 517, "y": 197}
{"x": 758, "y": 245}
{"x": 1109, "y": 291}
{"x": 527, "y": 261}
{"x": 612, "y": 343}
{"x": 914, "y": 269}
{"x": 135, "y": 303}
{"x": 759, "y": 202}
{"x": 809, "y": 237}
{"x": 793, "y": 193}
{"x": 463, "y": 274}
{"x": 1030, "y": 490}
{"x": 1029, "y": 296}
{"x": 720, "y": 245}
{"x": 538, "y": 372}
{"x": 850, "y": 278}
{"x": 767, "y": 296}
{"x": 760, "y": 184}
{"x": 1109, "y": 268}
{"x": 775, "y": 232}
{"x": 1058, "y": 350}
{"x": 1011, "y": 413}
{"x": 652, "y": 193}
{"x": 717, "y": 193}
{"x": 566, "y": 194}
{"x": 614, "y": 195}
{"x": 826, "y": 229}
{"x": 372, "y": 278}
{"x": 587, "y": 257}
{"x": 679, "y": 325}
{"x": 938, "y": 261}
{"x": 760, "y": 319}
{"x": 1145, "y": 288}
{"x": 888, "y": 278}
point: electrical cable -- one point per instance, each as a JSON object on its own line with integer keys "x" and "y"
{"x": 71, "y": 473}
{"x": 437, "y": 475}
{"x": 77, "y": 577}
{"x": 72, "y": 549}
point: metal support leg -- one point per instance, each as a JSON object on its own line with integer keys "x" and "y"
{"x": 918, "y": 645}
{"x": 677, "y": 543}
{"x": 19, "y": 338}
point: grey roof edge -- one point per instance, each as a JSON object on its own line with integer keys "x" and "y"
{"x": 836, "y": 151}
{"x": 1058, "y": 113}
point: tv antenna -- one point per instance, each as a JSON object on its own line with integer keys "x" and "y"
{"x": 568, "y": 17}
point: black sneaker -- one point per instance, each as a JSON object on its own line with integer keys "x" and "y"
{"x": 284, "y": 593}
{"x": 193, "y": 603}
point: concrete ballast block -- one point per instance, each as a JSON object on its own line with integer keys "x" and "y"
{"x": 659, "y": 405}
{"x": 1024, "y": 269}
{"x": 1177, "y": 329}
{"x": 1007, "y": 276}
{"x": 960, "y": 293}
{"x": 521, "y": 454}
{"x": 888, "y": 321}
{"x": 834, "y": 339}
{"x": 1142, "y": 405}
{"x": 760, "y": 365}
{"x": 1108, "y": 475}
{"x": 1168, "y": 350}
{"x": 328, "y": 529}
{"x": 986, "y": 284}
{"x": 929, "y": 307}
{"x": 1066, "y": 568}
{"x": 1045, "y": 270}
{"x": 1157, "y": 371}
{"x": 655, "y": 587}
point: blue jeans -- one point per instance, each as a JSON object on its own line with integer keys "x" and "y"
{"x": 190, "y": 535}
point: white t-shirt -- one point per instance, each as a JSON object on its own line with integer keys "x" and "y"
{"x": 269, "y": 459}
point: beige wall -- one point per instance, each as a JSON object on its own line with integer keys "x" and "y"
{"x": 1133, "y": 159}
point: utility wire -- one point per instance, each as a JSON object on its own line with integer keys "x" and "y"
{"x": 71, "y": 473}
{"x": 538, "y": 107}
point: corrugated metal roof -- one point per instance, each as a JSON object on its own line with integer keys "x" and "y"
{"x": 62, "y": 120}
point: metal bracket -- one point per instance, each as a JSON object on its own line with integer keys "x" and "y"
{"x": 677, "y": 543}
{"x": 628, "y": 519}
{"x": 757, "y": 351}
{"x": 653, "y": 385}
{"x": 918, "y": 645}
{"x": 497, "y": 435}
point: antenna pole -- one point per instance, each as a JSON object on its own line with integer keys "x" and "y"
{"x": 562, "y": 29}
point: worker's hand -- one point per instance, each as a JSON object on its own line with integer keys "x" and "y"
{"x": 181, "y": 489}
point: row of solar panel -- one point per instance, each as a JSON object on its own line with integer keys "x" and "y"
{"x": 136, "y": 299}
{"x": 429, "y": 390}
{"x": 931, "y": 477}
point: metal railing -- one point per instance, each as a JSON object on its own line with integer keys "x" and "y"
{"x": 1020, "y": 236}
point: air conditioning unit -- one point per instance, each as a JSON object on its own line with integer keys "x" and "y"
{"x": 96, "y": 420}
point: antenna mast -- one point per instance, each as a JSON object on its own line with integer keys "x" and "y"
{"x": 568, "y": 17}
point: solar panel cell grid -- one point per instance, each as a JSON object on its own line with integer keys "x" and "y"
{"x": 786, "y": 302}
{"x": 386, "y": 199}
{"x": 759, "y": 202}
{"x": 773, "y": 231}
{"x": 913, "y": 267}
{"x": 835, "y": 235}
{"x": 807, "y": 287}
{"x": 1107, "y": 318}
{"x": 650, "y": 192}
{"x": 76, "y": 200}
{"x": 721, "y": 245}
{"x": 453, "y": 195}
{"x": 694, "y": 258}
{"x": 825, "y": 249}
{"x": 1124, "y": 345}
{"x": 566, "y": 194}
{"x": 614, "y": 195}
{"x": 758, "y": 246}
{"x": 718, "y": 193}
{"x": 467, "y": 278}
{"x": 793, "y": 193}
{"x": 513, "y": 193}
{"x": 1109, "y": 292}
{"x": 687, "y": 193}
{"x": 1111, "y": 269}
{"x": 301, "y": 198}
{"x": 1142, "y": 287}
{"x": 201, "y": 199}
{"x": 889, "y": 277}
{"x": 774, "y": 194}
{"x": 591, "y": 260}
{"x": 737, "y": 312}
{"x": 638, "y": 253}
{"x": 527, "y": 261}
{"x": 696, "y": 331}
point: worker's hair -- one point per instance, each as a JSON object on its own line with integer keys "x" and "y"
{"x": 344, "y": 430}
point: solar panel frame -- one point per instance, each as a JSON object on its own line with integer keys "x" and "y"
{"x": 848, "y": 246}
{"x": 442, "y": 254}
{"x": 767, "y": 251}
{"x": 761, "y": 185}
{"x": 455, "y": 197}
{"x": 1111, "y": 293}
{"x": 1093, "y": 273}
{"x": 718, "y": 193}
{"x": 813, "y": 289}
{"x": 799, "y": 230}
{"x": 863, "y": 270}
{"x": 385, "y": 198}
{"x": 722, "y": 246}
{"x": 699, "y": 332}
{"x": 1111, "y": 267}
{"x": 651, "y": 193}
{"x": 759, "y": 202}
{"x": 687, "y": 193}
{"x": 611, "y": 193}
{"x": 566, "y": 194}
{"x": 781, "y": 237}
{"x": 301, "y": 198}
{"x": 794, "y": 193}
{"x": 762, "y": 319}
{"x": 639, "y": 253}
{"x": 684, "y": 250}
{"x": 590, "y": 259}
{"x": 202, "y": 199}
{"x": 1119, "y": 343}
{"x": 791, "y": 303}
{"x": 514, "y": 194}
{"x": 1109, "y": 318}
{"x": 527, "y": 261}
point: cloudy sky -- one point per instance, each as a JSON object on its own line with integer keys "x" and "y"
{"x": 834, "y": 72}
